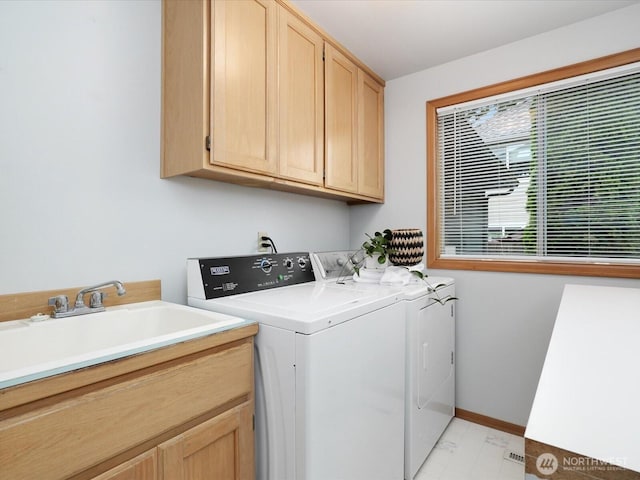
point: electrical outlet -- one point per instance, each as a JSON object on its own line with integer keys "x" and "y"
{"x": 260, "y": 247}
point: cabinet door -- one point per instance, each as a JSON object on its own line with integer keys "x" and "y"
{"x": 185, "y": 87}
{"x": 220, "y": 448}
{"x": 370, "y": 136}
{"x": 243, "y": 100}
{"x": 142, "y": 467}
{"x": 341, "y": 116}
{"x": 301, "y": 100}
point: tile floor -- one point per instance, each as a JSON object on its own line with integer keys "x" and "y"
{"x": 467, "y": 451}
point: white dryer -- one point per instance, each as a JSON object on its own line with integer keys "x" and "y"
{"x": 430, "y": 383}
{"x": 330, "y": 366}
{"x": 430, "y": 351}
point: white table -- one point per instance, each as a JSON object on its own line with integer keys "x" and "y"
{"x": 588, "y": 397}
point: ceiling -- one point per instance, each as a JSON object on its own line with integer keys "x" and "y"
{"x": 398, "y": 37}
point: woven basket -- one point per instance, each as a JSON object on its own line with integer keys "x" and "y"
{"x": 408, "y": 247}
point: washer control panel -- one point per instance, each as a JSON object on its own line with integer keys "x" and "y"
{"x": 336, "y": 265}
{"x": 224, "y": 276}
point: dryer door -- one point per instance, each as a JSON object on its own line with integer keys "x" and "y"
{"x": 434, "y": 349}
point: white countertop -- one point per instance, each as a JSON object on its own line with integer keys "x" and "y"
{"x": 588, "y": 397}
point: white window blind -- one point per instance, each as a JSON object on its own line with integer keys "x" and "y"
{"x": 549, "y": 172}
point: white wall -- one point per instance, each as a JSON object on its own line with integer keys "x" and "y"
{"x": 504, "y": 320}
{"x": 81, "y": 199}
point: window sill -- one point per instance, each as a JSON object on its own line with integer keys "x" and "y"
{"x": 537, "y": 266}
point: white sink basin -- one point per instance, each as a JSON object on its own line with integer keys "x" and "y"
{"x": 30, "y": 350}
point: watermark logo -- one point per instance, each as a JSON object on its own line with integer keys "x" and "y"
{"x": 587, "y": 464}
{"x": 547, "y": 463}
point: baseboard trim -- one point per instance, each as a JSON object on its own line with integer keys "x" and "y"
{"x": 490, "y": 422}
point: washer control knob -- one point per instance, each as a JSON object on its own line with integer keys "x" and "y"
{"x": 266, "y": 265}
{"x": 302, "y": 262}
{"x": 288, "y": 263}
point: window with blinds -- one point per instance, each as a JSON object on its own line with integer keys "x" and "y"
{"x": 548, "y": 173}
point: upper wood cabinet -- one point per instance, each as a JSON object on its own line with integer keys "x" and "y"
{"x": 355, "y": 127}
{"x": 219, "y": 87}
{"x": 186, "y": 90}
{"x": 341, "y": 104}
{"x": 300, "y": 100}
{"x": 370, "y": 136}
{"x": 247, "y": 98}
{"x": 244, "y": 85}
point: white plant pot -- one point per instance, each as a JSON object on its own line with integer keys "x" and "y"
{"x": 371, "y": 263}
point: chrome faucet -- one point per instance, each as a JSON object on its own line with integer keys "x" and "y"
{"x": 60, "y": 303}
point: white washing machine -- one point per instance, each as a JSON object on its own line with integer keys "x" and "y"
{"x": 330, "y": 366}
{"x": 430, "y": 349}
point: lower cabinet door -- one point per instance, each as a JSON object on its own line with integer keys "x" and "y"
{"x": 142, "y": 467}
{"x": 220, "y": 448}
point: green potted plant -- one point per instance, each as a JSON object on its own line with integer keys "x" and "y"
{"x": 376, "y": 257}
{"x": 377, "y": 249}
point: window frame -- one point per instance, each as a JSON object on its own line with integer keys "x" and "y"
{"x": 581, "y": 267}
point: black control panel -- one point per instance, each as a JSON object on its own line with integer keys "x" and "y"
{"x": 224, "y": 276}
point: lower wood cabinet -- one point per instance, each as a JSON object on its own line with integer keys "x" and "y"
{"x": 184, "y": 412}
{"x": 213, "y": 449}
{"x": 142, "y": 467}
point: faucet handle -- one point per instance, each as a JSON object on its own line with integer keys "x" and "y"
{"x": 96, "y": 299}
{"x": 60, "y": 303}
